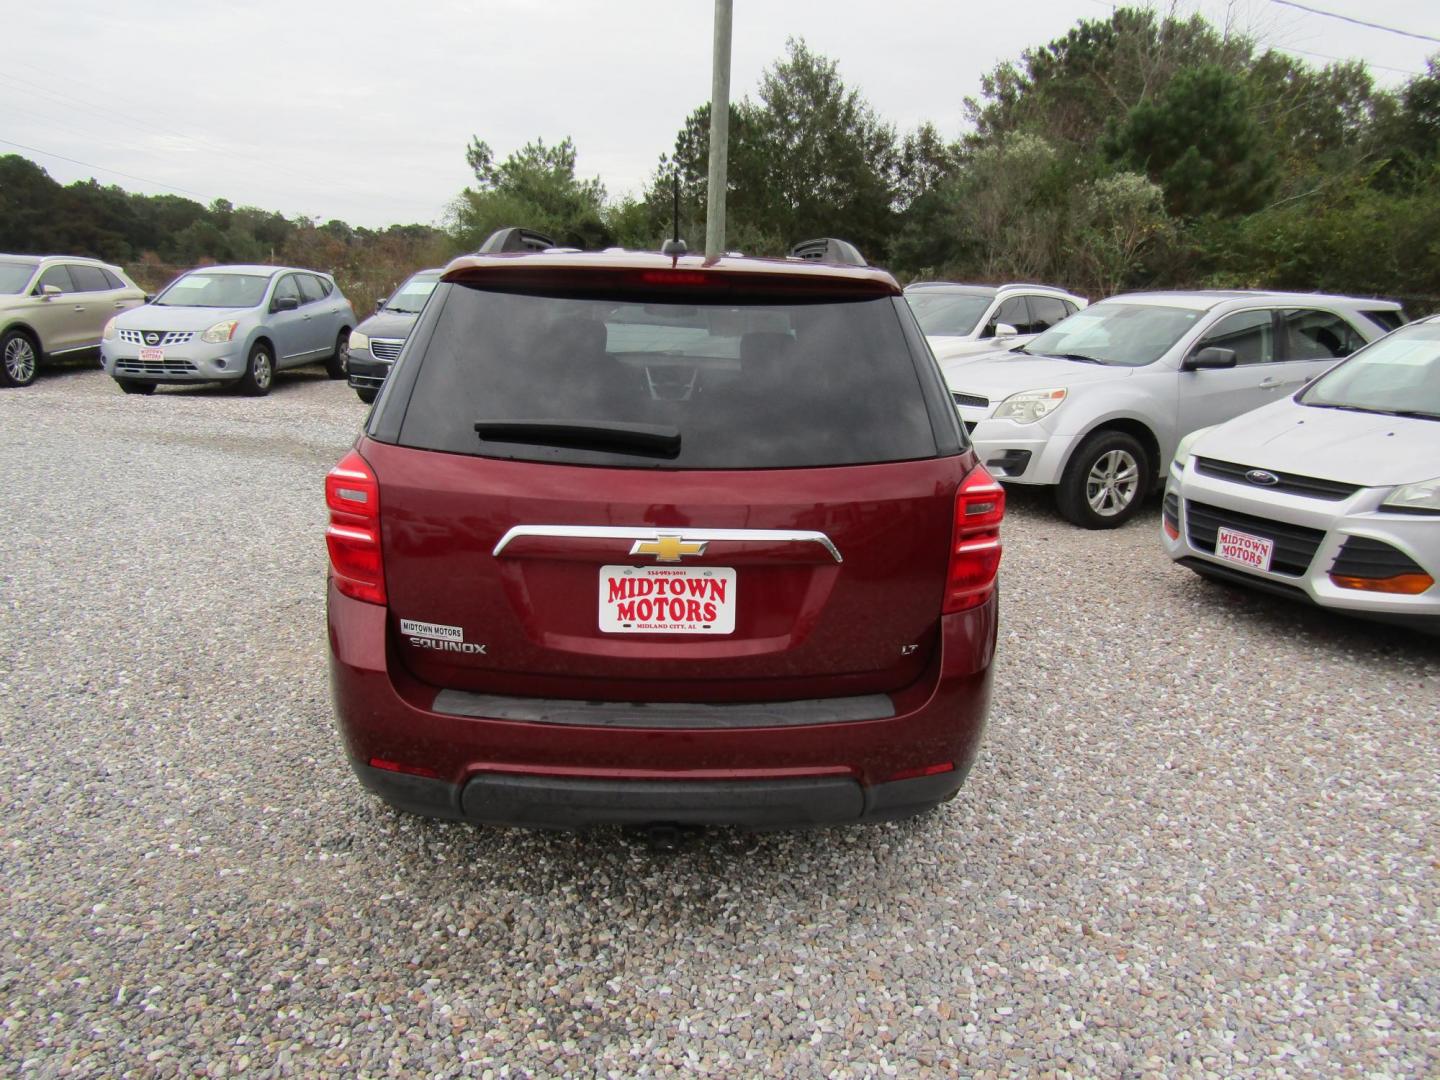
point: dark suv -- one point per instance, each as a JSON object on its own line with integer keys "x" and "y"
{"x": 640, "y": 539}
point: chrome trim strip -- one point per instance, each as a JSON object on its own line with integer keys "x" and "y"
{"x": 621, "y": 532}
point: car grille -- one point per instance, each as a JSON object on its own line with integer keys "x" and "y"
{"x": 165, "y": 337}
{"x": 1295, "y": 545}
{"x": 971, "y": 401}
{"x": 1362, "y": 557}
{"x": 126, "y": 366}
{"x": 386, "y": 348}
{"x": 1290, "y": 483}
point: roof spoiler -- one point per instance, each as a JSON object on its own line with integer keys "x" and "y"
{"x": 515, "y": 239}
{"x": 829, "y": 250}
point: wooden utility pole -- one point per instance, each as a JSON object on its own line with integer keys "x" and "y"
{"x": 719, "y": 131}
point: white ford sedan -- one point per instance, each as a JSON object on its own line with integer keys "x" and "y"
{"x": 1330, "y": 496}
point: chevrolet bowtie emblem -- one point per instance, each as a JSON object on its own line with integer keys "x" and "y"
{"x": 668, "y": 549}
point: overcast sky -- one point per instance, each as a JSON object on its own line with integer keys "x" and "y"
{"x": 362, "y": 110}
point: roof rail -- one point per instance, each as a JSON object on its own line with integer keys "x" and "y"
{"x": 830, "y": 250}
{"x": 1037, "y": 285}
{"x": 515, "y": 239}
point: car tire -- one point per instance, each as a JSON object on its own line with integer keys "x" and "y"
{"x": 338, "y": 364}
{"x": 130, "y": 386}
{"x": 259, "y": 371}
{"x": 19, "y": 357}
{"x": 367, "y": 396}
{"x": 1105, "y": 482}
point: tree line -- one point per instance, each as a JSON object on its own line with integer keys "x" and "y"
{"x": 1138, "y": 150}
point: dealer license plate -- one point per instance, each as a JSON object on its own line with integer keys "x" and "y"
{"x": 1240, "y": 548}
{"x": 667, "y": 599}
{"x": 154, "y": 355}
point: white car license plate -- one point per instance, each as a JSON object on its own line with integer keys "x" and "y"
{"x": 667, "y": 599}
{"x": 154, "y": 355}
{"x": 1240, "y": 548}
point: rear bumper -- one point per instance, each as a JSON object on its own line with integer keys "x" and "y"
{"x": 516, "y": 771}
{"x": 548, "y": 802}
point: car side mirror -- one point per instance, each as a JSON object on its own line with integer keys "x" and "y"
{"x": 45, "y": 292}
{"x": 285, "y": 303}
{"x": 1004, "y": 329}
{"x": 1210, "y": 359}
{"x": 380, "y": 302}
{"x": 149, "y": 297}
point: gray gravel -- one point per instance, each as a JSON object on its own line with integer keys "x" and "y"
{"x": 1201, "y": 839}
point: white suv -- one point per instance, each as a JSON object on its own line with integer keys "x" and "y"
{"x": 1096, "y": 405}
{"x": 967, "y": 320}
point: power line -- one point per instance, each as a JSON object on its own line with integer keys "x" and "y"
{"x": 1349, "y": 59}
{"x": 102, "y": 168}
{"x": 1357, "y": 22}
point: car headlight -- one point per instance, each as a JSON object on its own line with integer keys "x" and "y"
{"x": 1182, "y": 452}
{"x": 1421, "y": 498}
{"x": 359, "y": 342}
{"x": 1030, "y": 405}
{"x": 109, "y": 334}
{"x": 220, "y": 333}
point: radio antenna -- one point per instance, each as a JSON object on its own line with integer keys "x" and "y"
{"x": 675, "y": 247}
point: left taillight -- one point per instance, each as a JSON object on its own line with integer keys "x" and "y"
{"x": 353, "y": 536}
{"x": 975, "y": 548}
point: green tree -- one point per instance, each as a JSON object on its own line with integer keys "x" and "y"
{"x": 1120, "y": 222}
{"x": 1073, "y": 89}
{"x": 1200, "y": 142}
{"x": 809, "y": 158}
{"x": 536, "y": 187}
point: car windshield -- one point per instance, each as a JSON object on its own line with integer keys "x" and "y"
{"x": 947, "y": 313}
{"x": 15, "y": 276}
{"x": 1399, "y": 374}
{"x": 410, "y": 298}
{"x": 1122, "y": 335}
{"x": 215, "y": 291}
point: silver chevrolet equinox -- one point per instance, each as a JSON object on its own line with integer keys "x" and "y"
{"x": 1096, "y": 405}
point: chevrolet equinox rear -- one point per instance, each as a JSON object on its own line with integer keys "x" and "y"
{"x": 641, "y": 539}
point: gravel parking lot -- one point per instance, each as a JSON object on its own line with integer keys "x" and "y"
{"x": 1201, "y": 839}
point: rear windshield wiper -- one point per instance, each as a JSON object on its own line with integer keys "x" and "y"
{"x": 654, "y": 440}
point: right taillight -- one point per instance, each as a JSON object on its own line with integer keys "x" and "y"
{"x": 975, "y": 549}
{"x": 353, "y": 536}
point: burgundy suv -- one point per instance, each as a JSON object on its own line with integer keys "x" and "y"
{"x": 640, "y": 539}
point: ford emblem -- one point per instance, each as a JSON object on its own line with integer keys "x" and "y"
{"x": 1260, "y": 476}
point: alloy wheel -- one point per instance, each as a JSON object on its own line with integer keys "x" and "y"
{"x": 20, "y": 360}
{"x": 1112, "y": 483}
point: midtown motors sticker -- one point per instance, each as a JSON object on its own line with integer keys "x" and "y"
{"x": 439, "y": 637}
{"x": 667, "y": 600}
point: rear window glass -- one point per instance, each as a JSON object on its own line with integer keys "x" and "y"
{"x": 704, "y": 386}
{"x": 88, "y": 278}
{"x": 1390, "y": 320}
